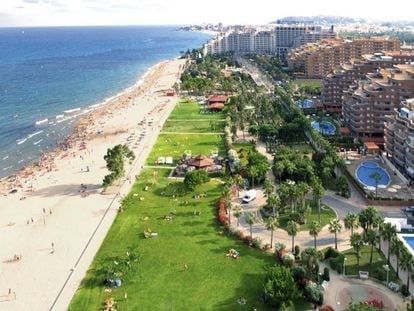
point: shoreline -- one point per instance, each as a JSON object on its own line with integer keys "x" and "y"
{"x": 94, "y": 111}
{"x": 59, "y": 228}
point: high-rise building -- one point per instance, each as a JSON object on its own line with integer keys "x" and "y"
{"x": 399, "y": 137}
{"x": 341, "y": 78}
{"x": 365, "y": 105}
{"x": 316, "y": 60}
{"x": 268, "y": 39}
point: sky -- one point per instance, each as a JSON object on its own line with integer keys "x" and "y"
{"x": 180, "y": 12}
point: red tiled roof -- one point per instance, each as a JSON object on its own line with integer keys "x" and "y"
{"x": 218, "y": 98}
{"x": 216, "y": 106}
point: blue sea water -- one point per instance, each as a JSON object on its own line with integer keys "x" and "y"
{"x": 46, "y": 71}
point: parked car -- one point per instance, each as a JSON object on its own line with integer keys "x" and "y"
{"x": 409, "y": 209}
{"x": 249, "y": 196}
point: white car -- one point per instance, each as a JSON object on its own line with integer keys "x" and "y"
{"x": 249, "y": 196}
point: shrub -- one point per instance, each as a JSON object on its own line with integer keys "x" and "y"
{"x": 326, "y": 275}
{"x": 288, "y": 259}
{"x": 337, "y": 263}
{"x": 195, "y": 178}
{"x": 404, "y": 290}
{"x": 380, "y": 274}
{"x": 299, "y": 273}
{"x": 257, "y": 242}
{"x": 297, "y": 251}
{"x": 312, "y": 292}
{"x": 331, "y": 253}
{"x": 320, "y": 301}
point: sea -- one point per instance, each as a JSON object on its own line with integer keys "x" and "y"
{"x": 49, "y": 77}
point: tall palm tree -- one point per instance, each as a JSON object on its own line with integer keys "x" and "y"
{"x": 351, "y": 222}
{"x": 314, "y": 229}
{"x": 376, "y": 177}
{"x": 279, "y": 168}
{"x": 271, "y": 225}
{"x": 237, "y": 212}
{"x": 273, "y": 201}
{"x": 227, "y": 197}
{"x": 356, "y": 243}
{"x": 371, "y": 239}
{"x": 303, "y": 189}
{"x": 407, "y": 262}
{"x": 397, "y": 247}
{"x": 250, "y": 220}
{"x": 253, "y": 172}
{"x": 335, "y": 227}
{"x": 318, "y": 192}
{"x": 367, "y": 218}
{"x": 379, "y": 222}
{"x": 268, "y": 187}
{"x": 388, "y": 232}
{"x": 238, "y": 182}
{"x": 292, "y": 229}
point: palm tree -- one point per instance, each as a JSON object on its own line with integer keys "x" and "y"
{"x": 303, "y": 189}
{"x": 356, "y": 243}
{"x": 376, "y": 177}
{"x": 271, "y": 225}
{"x": 407, "y": 263}
{"x": 309, "y": 258}
{"x": 268, "y": 187}
{"x": 371, "y": 239}
{"x": 227, "y": 197}
{"x": 318, "y": 192}
{"x": 292, "y": 229}
{"x": 379, "y": 222}
{"x": 250, "y": 220}
{"x": 253, "y": 172}
{"x": 237, "y": 212}
{"x": 388, "y": 232}
{"x": 396, "y": 249}
{"x": 279, "y": 168}
{"x": 368, "y": 218}
{"x": 314, "y": 229}
{"x": 351, "y": 221}
{"x": 238, "y": 182}
{"x": 273, "y": 201}
{"x": 335, "y": 227}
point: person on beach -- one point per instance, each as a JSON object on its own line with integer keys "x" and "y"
{"x": 53, "y": 247}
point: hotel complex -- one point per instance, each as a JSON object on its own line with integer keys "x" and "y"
{"x": 269, "y": 39}
{"x": 399, "y": 137}
{"x": 365, "y": 105}
{"x": 339, "y": 80}
{"x": 316, "y": 60}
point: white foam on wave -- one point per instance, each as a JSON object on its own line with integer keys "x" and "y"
{"x": 38, "y": 142}
{"x": 5, "y": 158}
{"x": 70, "y": 111}
{"x": 41, "y": 122}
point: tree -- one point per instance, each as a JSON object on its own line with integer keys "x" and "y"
{"x": 388, "y": 232}
{"x": 271, "y": 225}
{"x": 279, "y": 286}
{"x": 368, "y": 218}
{"x": 227, "y": 198}
{"x": 335, "y": 227}
{"x": 237, "y": 212}
{"x": 194, "y": 178}
{"x": 273, "y": 201}
{"x": 371, "y": 239}
{"x": 292, "y": 229}
{"x": 396, "y": 249}
{"x": 318, "y": 192}
{"x": 356, "y": 243}
{"x": 115, "y": 161}
{"x": 278, "y": 169}
{"x": 376, "y": 177}
{"x": 250, "y": 220}
{"x": 302, "y": 190}
{"x": 362, "y": 307}
{"x": 407, "y": 263}
{"x": 314, "y": 229}
{"x": 309, "y": 258}
{"x": 351, "y": 222}
{"x": 268, "y": 187}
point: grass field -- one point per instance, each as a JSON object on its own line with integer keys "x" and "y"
{"x": 191, "y": 111}
{"x": 211, "y": 126}
{"x": 308, "y": 82}
{"x": 375, "y": 269}
{"x": 185, "y": 267}
{"x": 326, "y": 215}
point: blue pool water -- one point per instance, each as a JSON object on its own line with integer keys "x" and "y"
{"x": 410, "y": 241}
{"x": 366, "y": 169}
{"x": 324, "y": 127}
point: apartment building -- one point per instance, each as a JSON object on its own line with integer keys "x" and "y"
{"x": 341, "y": 78}
{"x": 316, "y": 60}
{"x": 268, "y": 39}
{"x": 399, "y": 137}
{"x": 366, "y": 104}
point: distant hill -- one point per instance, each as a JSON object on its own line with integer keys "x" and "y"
{"x": 319, "y": 20}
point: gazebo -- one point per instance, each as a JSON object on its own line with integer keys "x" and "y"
{"x": 201, "y": 161}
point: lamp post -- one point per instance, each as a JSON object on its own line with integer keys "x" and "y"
{"x": 386, "y": 268}
{"x": 345, "y": 259}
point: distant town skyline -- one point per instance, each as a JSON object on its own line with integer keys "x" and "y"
{"x": 164, "y": 12}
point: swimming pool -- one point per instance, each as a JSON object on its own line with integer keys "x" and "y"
{"x": 409, "y": 240}
{"x": 366, "y": 169}
{"x": 305, "y": 104}
{"x": 324, "y": 127}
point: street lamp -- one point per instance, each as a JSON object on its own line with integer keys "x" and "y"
{"x": 386, "y": 268}
{"x": 345, "y": 259}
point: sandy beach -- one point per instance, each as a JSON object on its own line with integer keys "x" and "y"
{"x": 52, "y": 227}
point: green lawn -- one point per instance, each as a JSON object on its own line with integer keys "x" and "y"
{"x": 174, "y": 145}
{"x": 243, "y": 150}
{"x": 375, "y": 269}
{"x": 191, "y": 111}
{"x": 326, "y": 215}
{"x": 308, "y": 82}
{"x": 211, "y": 126}
{"x": 160, "y": 281}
